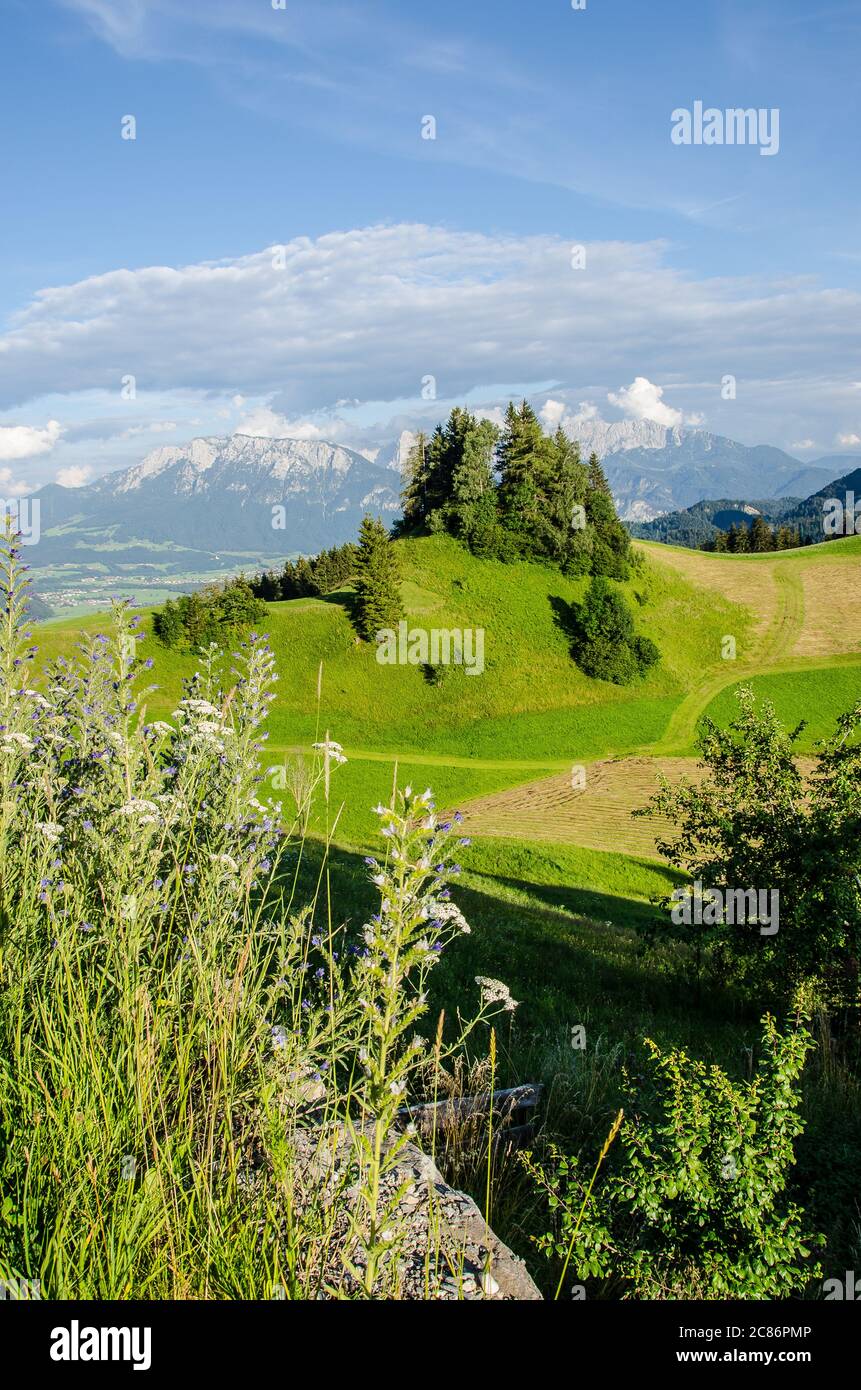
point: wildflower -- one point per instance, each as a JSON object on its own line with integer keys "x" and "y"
{"x": 226, "y": 861}
{"x": 12, "y": 740}
{"x": 51, "y": 830}
{"x": 332, "y": 750}
{"x": 495, "y": 992}
{"x": 197, "y": 707}
{"x": 212, "y": 727}
{"x": 38, "y": 699}
{"x": 449, "y": 912}
{"x": 279, "y": 1037}
{"x": 147, "y": 811}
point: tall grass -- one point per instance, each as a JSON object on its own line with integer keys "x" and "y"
{"x": 199, "y": 1089}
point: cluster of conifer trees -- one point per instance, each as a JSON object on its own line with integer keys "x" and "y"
{"x": 308, "y": 578}
{"x": 214, "y": 614}
{"x": 755, "y": 539}
{"x": 515, "y": 494}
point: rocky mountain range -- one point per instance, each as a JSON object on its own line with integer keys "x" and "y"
{"x": 649, "y": 479}
{"x": 199, "y": 506}
{"x": 213, "y": 497}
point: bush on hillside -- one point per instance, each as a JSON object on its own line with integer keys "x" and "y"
{"x": 605, "y": 645}
{"x": 756, "y": 820}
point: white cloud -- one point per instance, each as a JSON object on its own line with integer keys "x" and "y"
{"x": 11, "y": 487}
{"x": 552, "y": 414}
{"x": 365, "y": 315}
{"x": 26, "y": 441}
{"x": 269, "y": 424}
{"x": 75, "y": 475}
{"x": 642, "y": 400}
{"x": 803, "y": 444}
{"x": 848, "y": 441}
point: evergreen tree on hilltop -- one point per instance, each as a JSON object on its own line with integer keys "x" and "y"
{"x": 597, "y": 476}
{"x": 526, "y": 465}
{"x": 565, "y": 491}
{"x": 378, "y": 581}
{"x": 473, "y": 509}
{"x": 415, "y": 491}
{"x": 611, "y": 543}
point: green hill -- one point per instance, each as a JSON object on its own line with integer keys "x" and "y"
{"x": 532, "y": 713}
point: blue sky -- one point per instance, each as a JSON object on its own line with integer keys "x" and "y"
{"x": 405, "y": 258}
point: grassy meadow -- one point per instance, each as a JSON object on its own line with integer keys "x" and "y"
{"x": 554, "y": 886}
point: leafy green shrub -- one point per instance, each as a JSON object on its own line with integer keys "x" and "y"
{"x": 693, "y": 1206}
{"x": 756, "y": 820}
{"x": 605, "y": 645}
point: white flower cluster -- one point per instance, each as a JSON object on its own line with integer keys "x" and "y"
{"x": 332, "y": 750}
{"x": 495, "y": 992}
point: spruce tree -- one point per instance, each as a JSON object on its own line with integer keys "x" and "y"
{"x": 414, "y": 495}
{"x": 378, "y": 581}
{"x": 597, "y": 476}
{"x": 761, "y": 538}
{"x": 523, "y": 462}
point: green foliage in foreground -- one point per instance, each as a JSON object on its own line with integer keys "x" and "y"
{"x": 179, "y": 1047}
{"x": 757, "y": 824}
{"x": 694, "y": 1208}
{"x": 183, "y": 1001}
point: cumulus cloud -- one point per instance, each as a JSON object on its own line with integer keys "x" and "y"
{"x": 75, "y": 475}
{"x": 266, "y": 423}
{"x": 643, "y": 400}
{"x": 26, "y": 441}
{"x": 552, "y": 414}
{"x": 10, "y": 486}
{"x": 803, "y": 444}
{"x": 848, "y": 441}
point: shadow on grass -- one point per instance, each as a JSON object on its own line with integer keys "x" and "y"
{"x": 569, "y": 955}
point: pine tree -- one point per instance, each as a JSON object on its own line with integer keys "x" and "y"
{"x": 565, "y": 498}
{"x": 597, "y": 476}
{"x": 761, "y": 538}
{"x": 523, "y": 462}
{"x": 415, "y": 492}
{"x": 611, "y": 547}
{"x": 473, "y": 512}
{"x": 378, "y": 581}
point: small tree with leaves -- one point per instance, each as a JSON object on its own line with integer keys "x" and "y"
{"x": 693, "y": 1204}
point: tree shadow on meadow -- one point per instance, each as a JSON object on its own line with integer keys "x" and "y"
{"x": 566, "y": 616}
{"x": 564, "y": 952}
